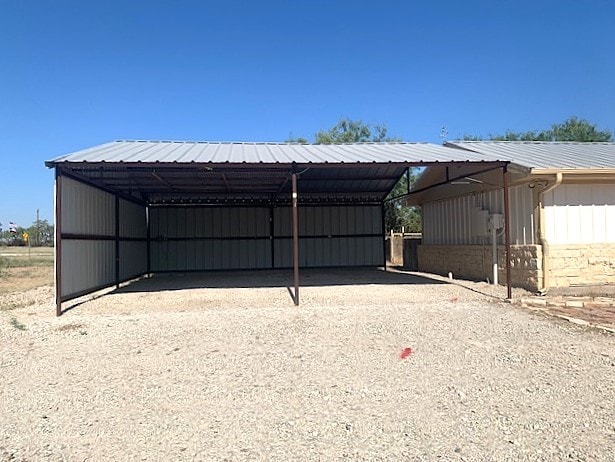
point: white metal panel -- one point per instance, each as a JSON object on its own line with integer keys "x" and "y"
{"x": 86, "y": 265}
{"x": 87, "y": 210}
{"x": 133, "y": 221}
{"x": 580, "y": 214}
{"x": 133, "y": 259}
{"x": 450, "y": 221}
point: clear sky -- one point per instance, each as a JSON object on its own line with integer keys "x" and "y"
{"x": 76, "y": 74}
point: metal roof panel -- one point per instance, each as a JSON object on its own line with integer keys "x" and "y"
{"x": 287, "y": 153}
{"x": 545, "y": 154}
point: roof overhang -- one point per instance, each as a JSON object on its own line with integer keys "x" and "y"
{"x": 175, "y": 173}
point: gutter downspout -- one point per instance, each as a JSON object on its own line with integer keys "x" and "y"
{"x": 541, "y": 233}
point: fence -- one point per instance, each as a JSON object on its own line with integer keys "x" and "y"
{"x": 402, "y": 250}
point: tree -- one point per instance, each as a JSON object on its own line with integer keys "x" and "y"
{"x": 353, "y": 131}
{"x": 571, "y": 129}
{"x": 347, "y": 130}
{"x": 40, "y": 233}
{"x": 574, "y": 129}
{"x": 397, "y": 215}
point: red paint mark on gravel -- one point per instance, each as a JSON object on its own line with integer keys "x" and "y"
{"x": 405, "y": 353}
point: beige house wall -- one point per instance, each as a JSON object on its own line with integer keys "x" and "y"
{"x": 581, "y": 264}
{"x": 475, "y": 262}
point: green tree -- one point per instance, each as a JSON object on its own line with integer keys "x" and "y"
{"x": 575, "y": 129}
{"x": 353, "y": 131}
{"x": 397, "y": 215}
{"x": 40, "y": 233}
{"x": 571, "y": 129}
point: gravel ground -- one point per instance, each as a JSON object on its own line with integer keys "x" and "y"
{"x": 239, "y": 373}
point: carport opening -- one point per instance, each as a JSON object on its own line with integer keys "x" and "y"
{"x": 129, "y": 209}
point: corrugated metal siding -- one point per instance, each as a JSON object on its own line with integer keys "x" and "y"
{"x": 86, "y": 264}
{"x": 133, "y": 259}
{"x": 449, "y": 222}
{"x": 210, "y": 238}
{"x": 327, "y": 249}
{"x": 580, "y": 214}
{"x": 197, "y": 230}
{"x": 87, "y": 210}
{"x": 133, "y": 254}
{"x": 133, "y": 221}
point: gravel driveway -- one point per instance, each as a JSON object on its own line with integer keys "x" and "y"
{"x": 236, "y": 372}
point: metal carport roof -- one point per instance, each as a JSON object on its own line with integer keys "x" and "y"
{"x": 159, "y": 172}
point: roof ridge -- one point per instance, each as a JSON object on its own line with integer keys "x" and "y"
{"x": 281, "y": 143}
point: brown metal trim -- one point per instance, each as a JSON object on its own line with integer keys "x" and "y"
{"x": 96, "y": 237}
{"x": 295, "y": 239}
{"x": 58, "y": 240}
{"x": 384, "y": 236}
{"x": 272, "y": 235}
{"x": 117, "y": 241}
{"x": 259, "y": 166}
{"x": 507, "y": 233}
{"x": 266, "y": 204}
{"x": 254, "y": 238}
{"x": 332, "y": 236}
{"x": 149, "y": 240}
{"x": 448, "y": 180}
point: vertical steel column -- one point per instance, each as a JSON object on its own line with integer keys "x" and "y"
{"x": 271, "y": 236}
{"x": 58, "y": 240}
{"x": 117, "y": 241}
{"x": 507, "y": 232}
{"x": 384, "y": 236}
{"x": 149, "y": 241}
{"x": 295, "y": 239}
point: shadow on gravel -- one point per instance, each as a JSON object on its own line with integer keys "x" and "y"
{"x": 273, "y": 278}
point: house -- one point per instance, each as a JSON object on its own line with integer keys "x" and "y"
{"x": 560, "y": 211}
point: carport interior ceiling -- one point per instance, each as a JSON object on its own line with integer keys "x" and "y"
{"x": 170, "y": 172}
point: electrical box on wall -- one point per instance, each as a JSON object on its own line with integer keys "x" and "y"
{"x": 495, "y": 221}
{"x": 479, "y": 222}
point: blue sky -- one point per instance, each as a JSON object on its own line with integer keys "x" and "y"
{"x": 76, "y": 74}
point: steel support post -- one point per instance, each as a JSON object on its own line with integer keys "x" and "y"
{"x": 58, "y": 240}
{"x": 295, "y": 239}
{"x": 507, "y": 232}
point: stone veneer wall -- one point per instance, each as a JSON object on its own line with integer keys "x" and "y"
{"x": 581, "y": 264}
{"x": 474, "y": 262}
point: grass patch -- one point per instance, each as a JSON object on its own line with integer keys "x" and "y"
{"x": 17, "y": 325}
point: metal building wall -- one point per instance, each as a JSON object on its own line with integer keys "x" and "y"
{"x": 88, "y": 238}
{"x": 103, "y": 239}
{"x": 209, "y": 238}
{"x": 212, "y": 238}
{"x": 330, "y": 236}
{"x": 448, "y": 222}
{"x": 580, "y": 214}
{"x": 132, "y": 239}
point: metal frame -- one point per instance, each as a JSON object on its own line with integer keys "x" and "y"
{"x": 92, "y": 175}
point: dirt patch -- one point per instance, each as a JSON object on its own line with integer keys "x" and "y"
{"x": 23, "y": 269}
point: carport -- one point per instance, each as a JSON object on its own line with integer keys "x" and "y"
{"x": 130, "y": 208}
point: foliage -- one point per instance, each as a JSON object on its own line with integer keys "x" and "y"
{"x": 40, "y": 234}
{"x": 353, "y": 131}
{"x": 571, "y": 129}
{"x": 18, "y": 325}
{"x": 397, "y": 215}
